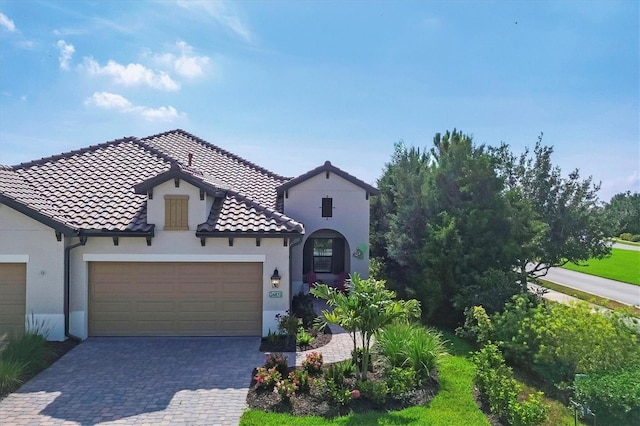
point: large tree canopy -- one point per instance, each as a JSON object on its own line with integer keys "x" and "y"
{"x": 462, "y": 225}
{"x": 623, "y": 212}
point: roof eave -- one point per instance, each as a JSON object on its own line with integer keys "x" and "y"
{"x": 246, "y": 234}
{"x": 37, "y": 216}
{"x": 327, "y": 167}
{"x": 174, "y": 173}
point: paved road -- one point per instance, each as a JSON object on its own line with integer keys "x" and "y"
{"x": 614, "y": 290}
{"x": 134, "y": 381}
{"x": 625, "y": 247}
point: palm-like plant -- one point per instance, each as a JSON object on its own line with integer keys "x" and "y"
{"x": 366, "y": 307}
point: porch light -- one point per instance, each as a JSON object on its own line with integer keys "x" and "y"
{"x": 275, "y": 279}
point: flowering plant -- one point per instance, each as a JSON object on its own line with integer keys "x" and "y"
{"x": 285, "y": 389}
{"x": 300, "y": 379}
{"x": 313, "y": 363}
{"x": 267, "y": 377}
{"x": 277, "y": 360}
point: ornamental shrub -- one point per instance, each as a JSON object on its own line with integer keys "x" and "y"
{"x": 278, "y": 361}
{"x": 374, "y": 390}
{"x": 285, "y": 389}
{"x": 401, "y": 380}
{"x": 495, "y": 380}
{"x": 613, "y": 396}
{"x": 313, "y": 363}
{"x": 267, "y": 378}
{"x": 301, "y": 379}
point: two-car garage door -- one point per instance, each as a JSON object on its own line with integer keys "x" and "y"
{"x": 175, "y": 299}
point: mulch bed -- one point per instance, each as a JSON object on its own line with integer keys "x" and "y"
{"x": 317, "y": 402}
{"x": 282, "y": 345}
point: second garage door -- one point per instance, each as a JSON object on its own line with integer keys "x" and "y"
{"x": 12, "y": 299}
{"x": 175, "y": 299}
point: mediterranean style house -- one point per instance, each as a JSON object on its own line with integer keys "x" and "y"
{"x": 170, "y": 235}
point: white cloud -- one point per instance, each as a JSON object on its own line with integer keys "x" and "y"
{"x": 186, "y": 64}
{"x": 113, "y": 101}
{"x": 66, "y": 53}
{"x": 7, "y": 23}
{"x": 222, "y": 12}
{"x": 132, "y": 75}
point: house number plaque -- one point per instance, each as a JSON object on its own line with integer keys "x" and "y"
{"x": 275, "y": 294}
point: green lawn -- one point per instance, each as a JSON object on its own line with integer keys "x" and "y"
{"x": 623, "y": 265}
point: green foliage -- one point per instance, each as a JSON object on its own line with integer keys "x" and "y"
{"x": 365, "y": 309}
{"x": 614, "y": 396}
{"x": 338, "y": 371}
{"x": 477, "y": 325}
{"x": 288, "y": 324}
{"x": 278, "y": 361}
{"x": 627, "y": 236}
{"x": 300, "y": 379}
{"x": 304, "y": 339}
{"x": 30, "y": 350}
{"x": 495, "y": 380}
{"x": 561, "y": 215}
{"x": 272, "y": 337}
{"x": 410, "y": 346}
{"x": 623, "y": 212}
{"x": 401, "y": 380}
{"x": 338, "y": 392}
{"x": 374, "y": 390}
{"x": 573, "y": 339}
{"x": 11, "y": 372}
{"x": 302, "y": 307}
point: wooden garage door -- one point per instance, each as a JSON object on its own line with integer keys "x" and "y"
{"x": 175, "y": 299}
{"x": 13, "y": 291}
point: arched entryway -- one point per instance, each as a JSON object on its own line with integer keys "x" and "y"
{"x": 326, "y": 253}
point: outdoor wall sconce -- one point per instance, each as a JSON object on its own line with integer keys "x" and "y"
{"x": 275, "y": 279}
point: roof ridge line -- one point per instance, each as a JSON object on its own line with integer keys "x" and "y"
{"x": 71, "y": 153}
{"x": 223, "y": 152}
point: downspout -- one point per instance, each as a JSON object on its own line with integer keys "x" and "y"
{"x": 291, "y": 246}
{"x": 67, "y": 263}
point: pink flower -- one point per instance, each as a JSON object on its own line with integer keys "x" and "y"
{"x": 355, "y": 394}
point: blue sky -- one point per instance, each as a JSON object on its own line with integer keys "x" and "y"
{"x": 289, "y": 84}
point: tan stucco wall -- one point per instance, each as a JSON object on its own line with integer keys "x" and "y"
{"x": 23, "y": 236}
{"x": 350, "y": 216}
{"x": 180, "y": 246}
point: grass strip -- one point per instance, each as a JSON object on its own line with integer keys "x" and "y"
{"x": 629, "y": 243}
{"x": 588, "y": 297}
{"x": 622, "y": 265}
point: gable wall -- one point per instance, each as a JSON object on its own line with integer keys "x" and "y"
{"x": 350, "y": 216}
{"x": 28, "y": 240}
{"x": 197, "y": 208}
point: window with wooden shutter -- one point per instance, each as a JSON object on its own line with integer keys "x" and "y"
{"x": 176, "y": 212}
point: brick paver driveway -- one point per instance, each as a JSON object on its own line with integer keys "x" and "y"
{"x": 140, "y": 381}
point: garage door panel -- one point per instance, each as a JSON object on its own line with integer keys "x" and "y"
{"x": 199, "y": 299}
{"x": 13, "y": 295}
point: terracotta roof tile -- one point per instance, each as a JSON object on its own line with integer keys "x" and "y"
{"x": 238, "y": 174}
{"x": 92, "y": 189}
{"x": 234, "y": 213}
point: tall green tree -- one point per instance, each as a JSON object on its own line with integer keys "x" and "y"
{"x": 623, "y": 212}
{"x": 560, "y": 217}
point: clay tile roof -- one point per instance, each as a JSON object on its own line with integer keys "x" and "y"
{"x": 237, "y": 214}
{"x": 17, "y": 192}
{"x": 327, "y": 167}
{"x": 101, "y": 188}
{"x": 92, "y": 188}
{"x": 237, "y": 173}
